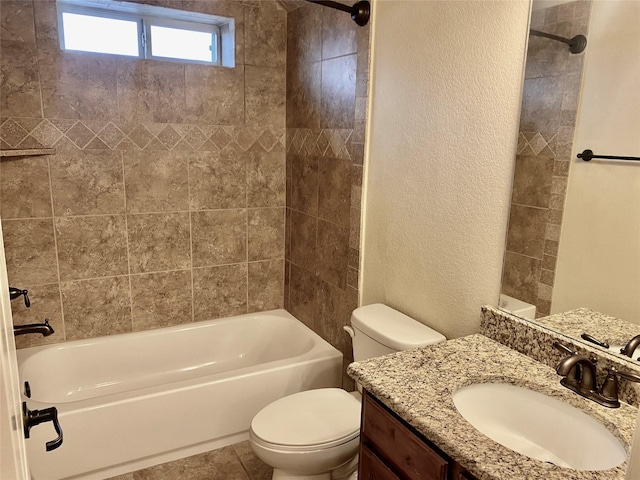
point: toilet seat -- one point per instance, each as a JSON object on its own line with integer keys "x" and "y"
{"x": 308, "y": 421}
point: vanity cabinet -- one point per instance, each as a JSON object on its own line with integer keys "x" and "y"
{"x": 390, "y": 449}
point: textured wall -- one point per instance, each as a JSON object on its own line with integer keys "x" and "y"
{"x": 547, "y": 122}
{"x": 327, "y": 71}
{"x": 599, "y": 256}
{"x": 446, "y": 91}
{"x": 165, "y": 202}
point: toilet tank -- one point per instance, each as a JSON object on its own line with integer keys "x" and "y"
{"x": 379, "y": 329}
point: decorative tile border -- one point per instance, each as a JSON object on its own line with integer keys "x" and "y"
{"x": 65, "y": 134}
{"x": 323, "y": 142}
{"x": 534, "y": 143}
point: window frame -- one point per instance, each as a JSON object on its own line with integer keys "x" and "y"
{"x": 146, "y": 16}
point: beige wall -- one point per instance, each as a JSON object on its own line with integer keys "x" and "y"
{"x": 599, "y": 258}
{"x": 445, "y": 97}
{"x": 165, "y": 202}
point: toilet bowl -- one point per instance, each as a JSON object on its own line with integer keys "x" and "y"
{"x": 309, "y": 435}
{"x": 314, "y": 435}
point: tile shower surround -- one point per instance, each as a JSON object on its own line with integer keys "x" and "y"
{"x": 550, "y": 100}
{"x": 327, "y": 81}
{"x": 165, "y": 202}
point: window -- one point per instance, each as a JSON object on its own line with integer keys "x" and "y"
{"x": 136, "y": 30}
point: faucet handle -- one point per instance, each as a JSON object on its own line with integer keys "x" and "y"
{"x": 632, "y": 377}
{"x": 609, "y": 390}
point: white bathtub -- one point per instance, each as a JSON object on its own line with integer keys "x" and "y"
{"x": 130, "y": 401}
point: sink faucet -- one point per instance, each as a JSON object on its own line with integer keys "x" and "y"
{"x": 583, "y": 384}
{"x": 44, "y": 328}
{"x": 579, "y": 376}
{"x": 631, "y": 346}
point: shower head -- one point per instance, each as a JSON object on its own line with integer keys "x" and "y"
{"x": 576, "y": 44}
{"x": 360, "y": 11}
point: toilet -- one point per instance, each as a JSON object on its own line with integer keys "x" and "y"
{"x": 314, "y": 435}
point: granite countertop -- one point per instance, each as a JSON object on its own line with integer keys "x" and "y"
{"x": 604, "y": 328}
{"x": 418, "y": 386}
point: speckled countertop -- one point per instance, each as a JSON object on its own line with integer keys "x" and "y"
{"x": 418, "y": 386}
{"x": 605, "y": 328}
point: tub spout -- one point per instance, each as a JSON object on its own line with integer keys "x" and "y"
{"x": 44, "y": 328}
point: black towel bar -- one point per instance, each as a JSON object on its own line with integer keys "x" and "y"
{"x": 587, "y": 155}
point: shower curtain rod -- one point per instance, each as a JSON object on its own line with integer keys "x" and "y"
{"x": 576, "y": 44}
{"x": 360, "y": 11}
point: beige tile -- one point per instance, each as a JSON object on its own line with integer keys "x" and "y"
{"x": 541, "y": 105}
{"x": 338, "y": 92}
{"x": 304, "y": 230}
{"x": 77, "y": 84}
{"x": 266, "y": 178}
{"x": 29, "y": 247}
{"x": 221, "y": 464}
{"x": 219, "y": 291}
{"x": 94, "y": 246}
{"x": 265, "y": 233}
{"x": 339, "y": 34}
{"x": 218, "y": 179}
{"x": 334, "y": 190}
{"x": 87, "y": 183}
{"x": 156, "y": 182}
{"x": 161, "y": 299}
{"x": 219, "y": 237}
{"x": 93, "y": 308}
{"x": 265, "y": 35}
{"x": 256, "y": 468}
{"x": 20, "y": 86}
{"x": 17, "y": 21}
{"x": 332, "y": 251}
{"x": 265, "y": 90}
{"x": 334, "y": 307}
{"x": 304, "y": 183}
{"x": 303, "y": 287}
{"x": 151, "y": 91}
{"x": 266, "y": 285}
{"x": 532, "y": 180}
{"x": 24, "y": 187}
{"x": 304, "y": 93}
{"x": 520, "y": 277}
{"x": 304, "y": 34}
{"x": 215, "y": 95}
{"x": 45, "y": 303}
{"x": 527, "y": 230}
{"x": 159, "y": 241}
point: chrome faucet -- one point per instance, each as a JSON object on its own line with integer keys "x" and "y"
{"x": 631, "y": 346}
{"x": 44, "y": 328}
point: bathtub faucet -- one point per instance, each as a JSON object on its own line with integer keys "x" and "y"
{"x": 44, "y": 328}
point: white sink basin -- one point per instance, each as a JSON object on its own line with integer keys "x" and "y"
{"x": 539, "y": 426}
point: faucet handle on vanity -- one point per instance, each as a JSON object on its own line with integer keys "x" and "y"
{"x": 575, "y": 374}
{"x": 609, "y": 390}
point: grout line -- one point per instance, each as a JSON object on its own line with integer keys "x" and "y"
{"x": 126, "y": 231}
{"x": 55, "y": 244}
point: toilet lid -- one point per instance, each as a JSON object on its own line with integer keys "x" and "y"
{"x": 314, "y": 417}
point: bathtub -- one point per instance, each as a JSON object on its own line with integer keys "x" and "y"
{"x": 134, "y": 400}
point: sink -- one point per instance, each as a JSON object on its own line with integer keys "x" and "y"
{"x": 539, "y": 426}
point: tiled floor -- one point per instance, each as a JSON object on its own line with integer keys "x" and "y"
{"x": 235, "y": 462}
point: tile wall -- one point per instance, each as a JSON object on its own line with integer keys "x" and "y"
{"x": 327, "y": 81}
{"x": 165, "y": 201}
{"x": 550, "y": 100}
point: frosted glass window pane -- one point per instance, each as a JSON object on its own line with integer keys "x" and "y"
{"x": 101, "y": 35}
{"x": 183, "y": 44}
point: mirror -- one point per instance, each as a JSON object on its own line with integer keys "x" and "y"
{"x": 574, "y": 226}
